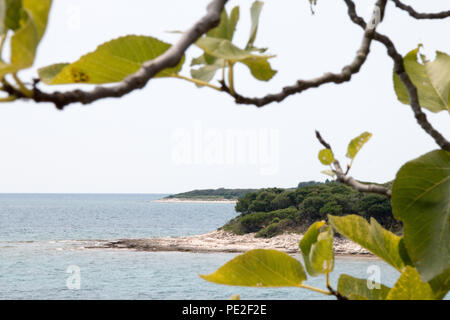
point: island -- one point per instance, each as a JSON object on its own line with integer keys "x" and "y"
{"x": 208, "y": 195}
{"x": 273, "y": 218}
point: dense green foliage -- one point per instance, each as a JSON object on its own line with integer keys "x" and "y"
{"x": 213, "y": 194}
{"x": 273, "y": 211}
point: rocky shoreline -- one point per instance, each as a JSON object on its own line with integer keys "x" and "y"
{"x": 222, "y": 241}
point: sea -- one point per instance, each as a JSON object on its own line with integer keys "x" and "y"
{"x": 44, "y": 254}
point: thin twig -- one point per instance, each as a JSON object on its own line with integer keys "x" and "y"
{"x": 322, "y": 141}
{"x": 358, "y": 186}
{"x": 22, "y": 86}
{"x": 302, "y": 85}
{"x": 399, "y": 69}
{"x": 305, "y": 286}
{"x": 332, "y": 291}
{"x": 8, "y": 99}
{"x": 198, "y": 82}
{"x": 413, "y": 13}
{"x": 336, "y": 293}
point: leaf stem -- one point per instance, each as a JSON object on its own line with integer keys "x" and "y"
{"x": 349, "y": 166}
{"x": 22, "y": 87}
{"x": 305, "y": 286}
{"x": 231, "y": 77}
{"x": 8, "y": 99}
{"x": 196, "y": 81}
{"x": 332, "y": 291}
{"x": 224, "y": 65}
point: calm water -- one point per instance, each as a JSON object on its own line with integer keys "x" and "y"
{"x": 42, "y": 235}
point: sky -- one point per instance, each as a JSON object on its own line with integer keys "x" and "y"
{"x": 173, "y": 137}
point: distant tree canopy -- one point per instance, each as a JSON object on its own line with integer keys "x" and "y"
{"x": 213, "y": 194}
{"x": 308, "y": 183}
{"x": 272, "y": 211}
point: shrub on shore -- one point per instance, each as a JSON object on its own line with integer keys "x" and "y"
{"x": 270, "y": 212}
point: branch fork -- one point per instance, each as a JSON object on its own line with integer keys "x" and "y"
{"x": 344, "y": 178}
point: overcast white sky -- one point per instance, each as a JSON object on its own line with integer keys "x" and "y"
{"x": 133, "y": 144}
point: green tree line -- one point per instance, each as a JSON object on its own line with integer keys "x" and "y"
{"x": 270, "y": 212}
{"x": 221, "y": 193}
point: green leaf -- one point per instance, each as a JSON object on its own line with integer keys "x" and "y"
{"x": 440, "y": 285}
{"x": 111, "y": 62}
{"x": 4, "y": 6}
{"x": 24, "y": 42}
{"x": 317, "y": 249}
{"x": 227, "y": 25}
{"x": 420, "y": 199}
{"x": 198, "y": 61}
{"x": 356, "y": 144}
{"x": 207, "y": 72}
{"x": 47, "y": 74}
{"x": 217, "y": 47}
{"x": 410, "y": 287}
{"x": 404, "y": 253}
{"x": 209, "y": 59}
{"x": 329, "y": 173}
{"x": 233, "y": 20}
{"x": 225, "y": 30}
{"x": 260, "y": 268}
{"x": 38, "y": 10}
{"x": 203, "y": 59}
{"x": 260, "y": 68}
{"x": 326, "y": 156}
{"x": 224, "y": 49}
{"x": 358, "y": 289}
{"x": 23, "y": 45}
{"x": 10, "y": 14}
{"x": 3, "y": 12}
{"x": 221, "y": 31}
{"x": 255, "y": 12}
{"x": 432, "y": 79}
{"x": 372, "y": 237}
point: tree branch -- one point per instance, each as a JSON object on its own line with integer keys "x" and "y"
{"x": 336, "y": 293}
{"x": 399, "y": 69}
{"x": 301, "y": 85}
{"x": 413, "y": 13}
{"x": 358, "y": 186}
{"x": 148, "y": 70}
{"x": 350, "y": 181}
{"x": 322, "y": 141}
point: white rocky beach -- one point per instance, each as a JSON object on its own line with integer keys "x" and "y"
{"x": 222, "y": 241}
